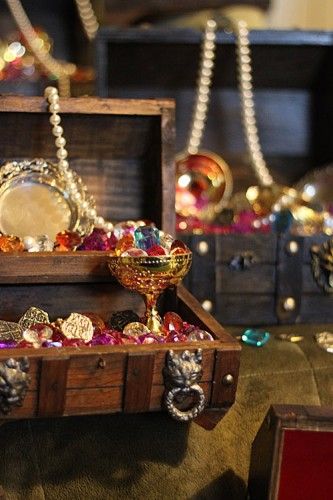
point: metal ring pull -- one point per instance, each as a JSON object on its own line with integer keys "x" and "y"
{"x": 14, "y": 383}
{"x": 182, "y": 372}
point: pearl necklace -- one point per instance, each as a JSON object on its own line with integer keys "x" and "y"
{"x": 61, "y": 70}
{"x": 245, "y": 85}
{"x": 74, "y": 184}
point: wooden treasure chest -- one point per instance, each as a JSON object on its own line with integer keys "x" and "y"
{"x": 242, "y": 278}
{"x": 123, "y": 149}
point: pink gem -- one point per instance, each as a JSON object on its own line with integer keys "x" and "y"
{"x": 198, "y": 334}
{"x": 134, "y": 252}
{"x": 98, "y": 240}
{"x": 150, "y": 338}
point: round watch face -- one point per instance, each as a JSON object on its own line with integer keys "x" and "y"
{"x": 36, "y": 199}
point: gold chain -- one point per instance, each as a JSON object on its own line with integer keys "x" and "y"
{"x": 88, "y": 18}
{"x": 61, "y": 70}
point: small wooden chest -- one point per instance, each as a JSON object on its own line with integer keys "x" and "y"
{"x": 292, "y": 455}
{"x": 123, "y": 149}
{"x": 258, "y": 279}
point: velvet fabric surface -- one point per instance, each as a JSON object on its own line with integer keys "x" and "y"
{"x": 153, "y": 457}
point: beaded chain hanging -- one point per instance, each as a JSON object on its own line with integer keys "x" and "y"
{"x": 39, "y": 199}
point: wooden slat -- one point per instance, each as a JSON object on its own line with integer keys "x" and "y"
{"x": 61, "y": 300}
{"x": 86, "y": 105}
{"x": 138, "y": 383}
{"x": 226, "y": 363}
{"x": 93, "y": 400}
{"x": 52, "y": 389}
{"x": 247, "y": 309}
{"x": 104, "y": 370}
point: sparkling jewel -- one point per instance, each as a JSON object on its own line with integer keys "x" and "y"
{"x": 325, "y": 341}
{"x": 282, "y": 221}
{"x": 98, "y": 240}
{"x": 9, "y": 344}
{"x": 105, "y": 338}
{"x": 198, "y": 334}
{"x": 149, "y": 338}
{"x": 172, "y": 322}
{"x": 176, "y": 337}
{"x": 146, "y": 237}
{"x": 77, "y": 326}
{"x": 156, "y": 250}
{"x": 255, "y": 337}
{"x": 125, "y": 243}
{"x": 11, "y": 244}
{"x": 134, "y": 252}
{"x": 123, "y": 228}
{"x": 166, "y": 240}
{"x": 68, "y": 240}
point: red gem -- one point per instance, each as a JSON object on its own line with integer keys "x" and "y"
{"x": 156, "y": 250}
{"x": 176, "y": 337}
{"x": 172, "y": 322}
{"x": 68, "y": 240}
{"x": 179, "y": 244}
{"x": 72, "y": 342}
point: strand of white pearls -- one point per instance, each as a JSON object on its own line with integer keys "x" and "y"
{"x": 248, "y": 108}
{"x": 87, "y": 206}
{"x": 201, "y": 104}
{"x": 88, "y": 18}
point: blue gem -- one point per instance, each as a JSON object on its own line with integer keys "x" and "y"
{"x": 282, "y": 221}
{"x": 253, "y": 336}
{"x": 146, "y": 237}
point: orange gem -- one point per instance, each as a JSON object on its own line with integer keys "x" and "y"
{"x": 124, "y": 244}
{"x": 11, "y": 244}
{"x": 68, "y": 239}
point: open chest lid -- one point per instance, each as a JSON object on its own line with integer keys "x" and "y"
{"x": 122, "y": 149}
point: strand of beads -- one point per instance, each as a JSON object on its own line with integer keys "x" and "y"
{"x": 74, "y": 183}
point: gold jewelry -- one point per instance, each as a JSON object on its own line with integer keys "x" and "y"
{"x": 204, "y": 181}
{"x": 88, "y": 18}
{"x": 61, "y": 70}
{"x": 31, "y": 188}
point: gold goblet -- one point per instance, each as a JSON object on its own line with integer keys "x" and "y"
{"x": 150, "y": 276}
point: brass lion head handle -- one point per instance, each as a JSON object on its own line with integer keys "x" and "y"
{"x": 14, "y": 383}
{"x": 181, "y": 374}
{"x": 322, "y": 265}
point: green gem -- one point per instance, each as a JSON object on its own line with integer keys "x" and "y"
{"x": 255, "y": 337}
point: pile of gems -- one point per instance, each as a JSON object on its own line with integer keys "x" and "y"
{"x": 34, "y": 330}
{"x": 301, "y": 212}
{"x": 127, "y": 238}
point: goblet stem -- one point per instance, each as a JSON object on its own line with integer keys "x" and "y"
{"x": 153, "y": 319}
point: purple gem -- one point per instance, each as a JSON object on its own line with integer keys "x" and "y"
{"x": 99, "y": 240}
{"x": 150, "y": 338}
{"x": 8, "y": 345}
{"x": 146, "y": 237}
{"x": 105, "y": 339}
